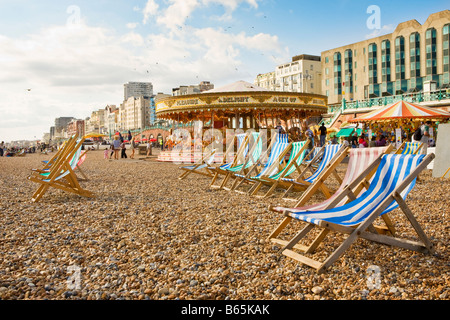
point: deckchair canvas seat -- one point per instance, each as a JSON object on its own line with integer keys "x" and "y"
{"x": 393, "y": 180}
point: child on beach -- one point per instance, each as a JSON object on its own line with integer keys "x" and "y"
{"x": 106, "y": 154}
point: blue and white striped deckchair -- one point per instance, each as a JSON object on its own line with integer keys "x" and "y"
{"x": 277, "y": 152}
{"x": 61, "y": 175}
{"x": 410, "y": 148}
{"x": 239, "y": 157}
{"x": 253, "y": 156}
{"x": 297, "y": 155}
{"x": 332, "y": 155}
{"x": 392, "y": 182}
{"x": 201, "y": 167}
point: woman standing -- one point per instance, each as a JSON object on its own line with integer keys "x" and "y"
{"x": 116, "y": 147}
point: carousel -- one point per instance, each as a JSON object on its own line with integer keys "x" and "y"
{"x": 242, "y": 105}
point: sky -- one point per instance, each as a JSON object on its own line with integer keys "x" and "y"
{"x": 69, "y": 58}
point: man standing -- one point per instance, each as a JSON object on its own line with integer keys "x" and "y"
{"x": 2, "y": 145}
{"x": 425, "y": 130}
{"x": 323, "y": 134}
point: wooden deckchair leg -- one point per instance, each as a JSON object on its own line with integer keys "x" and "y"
{"x": 214, "y": 179}
{"x": 255, "y": 188}
{"x": 402, "y": 204}
{"x": 280, "y": 227}
{"x": 271, "y": 190}
{"x": 317, "y": 241}
{"x": 300, "y": 235}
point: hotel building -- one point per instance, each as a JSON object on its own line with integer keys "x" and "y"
{"x": 302, "y": 74}
{"x": 401, "y": 62}
{"x": 137, "y": 89}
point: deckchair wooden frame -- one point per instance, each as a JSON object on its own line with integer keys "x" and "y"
{"x": 202, "y": 164}
{"x": 364, "y": 230}
{"x": 218, "y": 170}
{"x": 61, "y": 176}
{"x": 68, "y": 146}
{"x": 302, "y": 185}
{"x": 249, "y": 163}
{"x": 273, "y": 183}
{"x": 239, "y": 180}
{"x": 348, "y": 191}
{"x": 70, "y": 143}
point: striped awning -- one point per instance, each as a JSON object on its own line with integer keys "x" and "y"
{"x": 402, "y": 110}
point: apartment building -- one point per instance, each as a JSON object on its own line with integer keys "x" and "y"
{"x": 137, "y": 89}
{"x": 302, "y": 74}
{"x": 404, "y": 61}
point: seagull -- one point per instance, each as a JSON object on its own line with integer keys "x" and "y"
{"x": 28, "y": 89}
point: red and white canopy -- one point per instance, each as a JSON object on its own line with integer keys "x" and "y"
{"x": 402, "y": 110}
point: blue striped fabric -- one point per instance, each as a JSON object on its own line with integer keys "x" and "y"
{"x": 329, "y": 153}
{"x": 411, "y": 147}
{"x": 391, "y": 172}
{"x": 278, "y": 147}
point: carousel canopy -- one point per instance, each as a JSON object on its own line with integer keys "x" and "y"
{"x": 402, "y": 110}
{"x": 240, "y": 98}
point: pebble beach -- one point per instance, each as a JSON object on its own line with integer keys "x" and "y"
{"x": 149, "y": 236}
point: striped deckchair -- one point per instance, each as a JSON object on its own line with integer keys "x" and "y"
{"x": 201, "y": 167}
{"x": 359, "y": 160}
{"x": 394, "y": 179}
{"x": 332, "y": 156}
{"x": 409, "y": 148}
{"x": 252, "y": 159}
{"x": 276, "y": 151}
{"x": 296, "y": 158}
{"x": 61, "y": 175}
{"x": 241, "y": 153}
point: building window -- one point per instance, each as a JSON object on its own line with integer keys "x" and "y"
{"x": 400, "y": 58}
{"x": 414, "y": 44}
{"x": 348, "y": 63}
{"x": 373, "y": 64}
{"x": 431, "y": 52}
{"x": 337, "y": 73}
{"x": 446, "y": 55}
{"x": 386, "y": 61}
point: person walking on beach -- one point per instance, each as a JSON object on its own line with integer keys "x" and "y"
{"x": 149, "y": 148}
{"x": 424, "y": 136}
{"x": 124, "y": 150}
{"x": 133, "y": 147}
{"x": 323, "y": 134}
{"x": 116, "y": 147}
{"x": 2, "y": 145}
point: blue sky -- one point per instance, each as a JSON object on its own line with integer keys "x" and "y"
{"x": 76, "y": 55}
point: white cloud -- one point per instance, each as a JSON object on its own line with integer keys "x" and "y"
{"x": 74, "y": 71}
{"x": 151, "y": 9}
{"x": 132, "y": 25}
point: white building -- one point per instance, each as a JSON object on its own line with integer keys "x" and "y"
{"x": 135, "y": 113}
{"x": 302, "y": 74}
{"x": 137, "y": 89}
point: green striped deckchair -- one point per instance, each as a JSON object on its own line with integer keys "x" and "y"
{"x": 297, "y": 155}
{"x": 251, "y": 160}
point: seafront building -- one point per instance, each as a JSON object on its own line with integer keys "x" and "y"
{"x": 302, "y": 74}
{"x": 412, "y": 58}
{"x": 137, "y": 89}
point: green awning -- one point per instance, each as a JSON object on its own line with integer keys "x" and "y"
{"x": 345, "y": 132}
